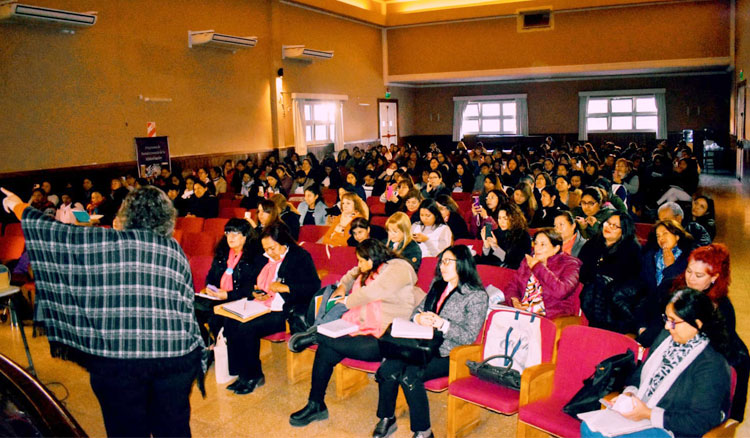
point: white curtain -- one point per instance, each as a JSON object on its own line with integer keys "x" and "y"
{"x": 459, "y": 106}
{"x": 522, "y": 115}
{"x": 661, "y": 107}
{"x": 338, "y": 141}
{"x": 300, "y": 145}
{"x": 583, "y": 133}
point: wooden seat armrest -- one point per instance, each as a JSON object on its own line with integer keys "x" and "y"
{"x": 724, "y": 430}
{"x": 536, "y": 383}
{"x": 563, "y": 321}
{"x": 458, "y": 358}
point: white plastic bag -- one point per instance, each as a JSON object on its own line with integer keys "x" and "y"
{"x": 221, "y": 359}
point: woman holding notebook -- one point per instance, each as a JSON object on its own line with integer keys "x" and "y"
{"x": 682, "y": 388}
{"x": 285, "y": 284}
{"x": 382, "y": 287}
{"x": 456, "y": 305}
{"x": 230, "y": 277}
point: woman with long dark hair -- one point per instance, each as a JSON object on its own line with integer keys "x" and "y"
{"x": 610, "y": 272}
{"x": 380, "y": 288}
{"x": 431, "y": 232}
{"x": 506, "y": 245}
{"x": 455, "y": 305}
{"x": 683, "y": 386}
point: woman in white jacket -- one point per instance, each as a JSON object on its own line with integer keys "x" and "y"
{"x": 431, "y": 232}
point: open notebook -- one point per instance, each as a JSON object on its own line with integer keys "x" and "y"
{"x": 243, "y": 310}
{"x": 610, "y": 423}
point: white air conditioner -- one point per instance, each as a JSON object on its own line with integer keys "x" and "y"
{"x": 209, "y": 38}
{"x": 11, "y": 10}
{"x": 304, "y": 54}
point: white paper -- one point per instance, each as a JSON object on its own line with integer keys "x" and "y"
{"x": 403, "y": 328}
{"x": 277, "y": 304}
{"x": 610, "y": 423}
{"x": 623, "y": 404}
{"x": 207, "y": 296}
{"x": 245, "y": 308}
{"x": 337, "y": 328}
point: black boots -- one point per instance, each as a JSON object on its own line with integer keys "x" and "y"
{"x": 298, "y": 342}
{"x": 313, "y": 411}
{"x": 385, "y": 428}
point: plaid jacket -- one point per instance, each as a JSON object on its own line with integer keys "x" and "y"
{"x": 114, "y": 294}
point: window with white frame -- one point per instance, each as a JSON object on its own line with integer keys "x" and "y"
{"x": 622, "y": 112}
{"x": 320, "y": 122}
{"x": 490, "y": 115}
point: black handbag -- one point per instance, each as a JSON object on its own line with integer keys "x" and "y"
{"x": 413, "y": 351}
{"x": 610, "y": 375}
{"x": 505, "y": 376}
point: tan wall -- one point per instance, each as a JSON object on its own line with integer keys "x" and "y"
{"x": 655, "y": 32}
{"x": 356, "y": 69}
{"x": 72, "y": 100}
{"x": 742, "y": 47}
{"x": 406, "y": 113}
{"x": 553, "y": 106}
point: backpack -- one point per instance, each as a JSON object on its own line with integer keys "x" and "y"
{"x": 513, "y": 342}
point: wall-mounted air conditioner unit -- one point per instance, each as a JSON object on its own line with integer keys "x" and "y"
{"x": 303, "y": 54}
{"x": 11, "y": 10}
{"x": 209, "y": 38}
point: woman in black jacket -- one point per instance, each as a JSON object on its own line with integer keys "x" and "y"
{"x": 286, "y": 270}
{"x": 451, "y": 215}
{"x": 610, "y": 272}
{"x": 231, "y": 276}
{"x": 509, "y": 242}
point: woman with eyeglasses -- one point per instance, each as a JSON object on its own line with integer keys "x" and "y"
{"x": 455, "y": 305}
{"x": 708, "y": 271}
{"x": 591, "y": 212}
{"x": 230, "y": 276}
{"x": 610, "y": 272}
{"x": 683, "y": 386}
{"x": 380, "y": 288}
{"x": 284, "y": 275}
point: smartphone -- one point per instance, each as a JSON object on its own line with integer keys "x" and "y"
{"x": 389, "y": 191}
{"x": 248, "y": 215}
{"x": 487, "y": 230}
{"x": 606, "y": 403}
{"x": 475, "y": 202}
{"x": 260, "y": 292}
{"x": 212, "y": 288}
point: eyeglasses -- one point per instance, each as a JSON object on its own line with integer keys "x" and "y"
{"x": 672, "y": 323}
{"x": 588, "y": 203}
{"x": 446, "y": 262}
{"x": 612, "y": 225}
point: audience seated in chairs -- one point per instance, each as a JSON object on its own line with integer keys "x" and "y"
{"x": 361, "y": 230}
{"x": 673, "y": 211}
{"x": 289, "y": 272}
{"x": 202, "y": 203}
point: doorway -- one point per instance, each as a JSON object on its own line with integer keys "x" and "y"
{"x": 388, "y": 121}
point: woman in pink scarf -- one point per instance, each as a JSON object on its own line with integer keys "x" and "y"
{"x": 382, "y": 287}
{"x": 286, "y": 280}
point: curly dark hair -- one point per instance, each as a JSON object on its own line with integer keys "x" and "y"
{"x": 148, "y": 208}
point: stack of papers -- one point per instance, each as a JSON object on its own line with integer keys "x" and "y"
{"x": 610, "y": 423}
{"x": 246, "y": 309}
{"x": 403, "y": 328}
{"x": 337, "y": 328}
